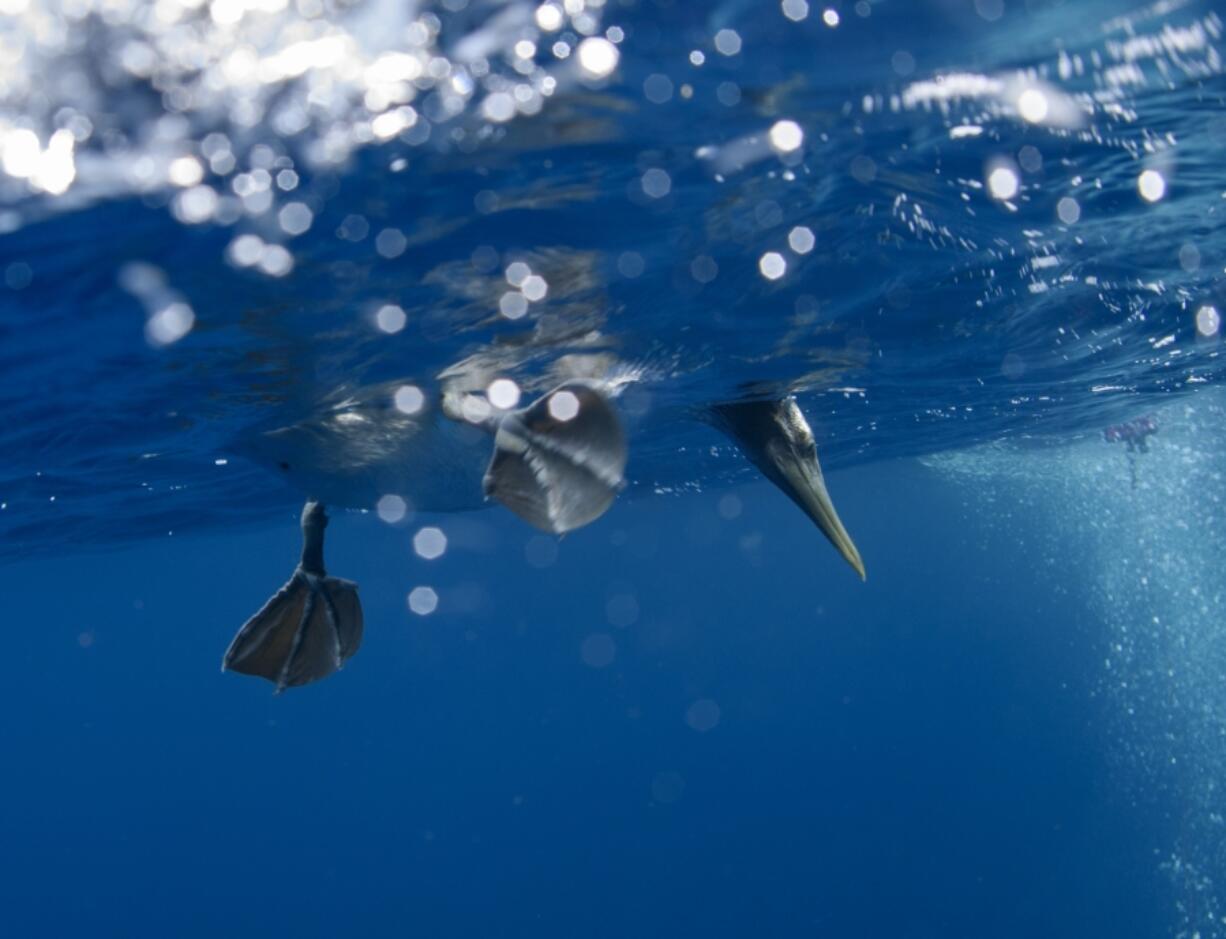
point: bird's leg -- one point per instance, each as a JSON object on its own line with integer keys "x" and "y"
{"x": 309, "y": 628}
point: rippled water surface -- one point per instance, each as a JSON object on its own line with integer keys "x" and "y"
{"x": 976, "y": 233}
{"x": 938, "y": 224}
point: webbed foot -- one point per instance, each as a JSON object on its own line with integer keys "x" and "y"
{"x": 559, "y": 463}
{"x": 309, "y": 628}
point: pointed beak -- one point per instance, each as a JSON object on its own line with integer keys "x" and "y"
{"x": 801, "y": 479}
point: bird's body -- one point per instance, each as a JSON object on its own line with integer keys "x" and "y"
{"x": 353, "y": 455}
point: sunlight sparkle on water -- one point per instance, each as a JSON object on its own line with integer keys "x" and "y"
{"x": 185, "y": 171}
{"x": 598, "y": 57}
{"x": 773, "y": 265}
{"x": 423, "y": 600}
{"x": 409, "y": 399}
{"x": 1003, "y": 183}
{"x": 503, "y": 393}
{"x": 430, "y": 543}
{"x": 1032, "y": 105}
{"x": 388, "y": 124}
{"x": 391, "y": 508}
{"x": 1151, "y": 185}
{"x": 54, "y": 169}
{"x": 1208, "y": 321}
{"x": 549, "y": 17}
{"x": 786, "y": 136}
{"x": 19, "y": 153}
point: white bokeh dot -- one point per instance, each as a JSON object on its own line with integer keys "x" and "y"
{"x": 503, "y": 393}
{"x": 513, "y": 304}
{"x": 1151, "y": 185}
{"x": 597, "y": 57}
{"x": 391, "y": 508}
{"x": 1068, "y": 211}
{"x": 1032, "y": 105}
{"x": 549, "y": 17}
{"x": 1208, "y": 321}
{"x": 423, "y": 600}
{"x": 773, "y": 265}
{"x": 409, "y": 399}
{"x": 295, "y": 218}
{"x": 801, "y": 240}
{"x": 517, "y": 272}
{"x": 728, "y": 42}
{"x": 390, "y": 318}
{"x": 534, "y": 287}
{"x": 786, "y": 136}
{"x": 430, "y": 543}
{"x": 656, "y": 183}
{"x": 563, "y": 406}
{"x": 1003, "y": 183}
{"x": 795, "y": 10}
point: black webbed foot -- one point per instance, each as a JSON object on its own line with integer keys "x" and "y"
{"x": 309, "y": 628}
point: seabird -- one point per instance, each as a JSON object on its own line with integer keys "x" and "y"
{"x": 557, "y": 463}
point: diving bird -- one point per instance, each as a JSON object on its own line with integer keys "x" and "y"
{"x": 558, "y": 464}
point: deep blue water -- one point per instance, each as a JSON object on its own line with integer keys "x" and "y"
{"x": 997, "y": 233}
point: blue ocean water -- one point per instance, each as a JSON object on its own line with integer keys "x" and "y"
{"x": 968, "y": 235}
